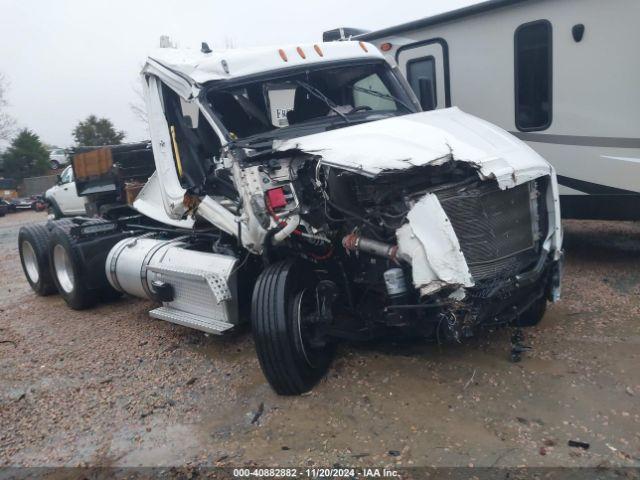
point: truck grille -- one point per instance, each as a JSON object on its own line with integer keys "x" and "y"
{"x": 497, "y": 229}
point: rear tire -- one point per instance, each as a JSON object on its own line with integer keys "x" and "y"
{"x": 33, "y": 245}
{"x": 81, "y": 281}
{"x": 534, "y": 314}
{"x": 67, "y": 270}
{"x": 283, "y": 294}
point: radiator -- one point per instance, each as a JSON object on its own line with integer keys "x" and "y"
{"x": 497, "y": 229}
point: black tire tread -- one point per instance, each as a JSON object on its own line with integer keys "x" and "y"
{"x": 273, "y": 335}
{"x": 81, "y": 298}
{"x": 38, "y": 236}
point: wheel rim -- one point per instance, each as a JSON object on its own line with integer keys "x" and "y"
{"x": 304, "y": 304}
{"x": 30, "y": 262}
{"x": 63, "y": 268}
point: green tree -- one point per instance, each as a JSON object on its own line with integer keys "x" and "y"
{"x": 96, "y": 131}
{"x": 7, "y": 122}
{"x": 25, "y": 157}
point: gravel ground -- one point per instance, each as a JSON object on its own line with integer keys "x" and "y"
{"x": 111, "y": 386}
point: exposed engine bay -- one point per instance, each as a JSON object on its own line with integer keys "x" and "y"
{"x": 368, "y": 234}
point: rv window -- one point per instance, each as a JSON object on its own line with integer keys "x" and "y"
{"x": 421, "y": 73}
{"x": 533, "y": 76}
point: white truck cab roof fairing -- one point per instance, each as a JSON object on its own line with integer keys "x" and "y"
{"x": 199, "y": 68}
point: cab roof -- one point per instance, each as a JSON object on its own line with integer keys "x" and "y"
{"x": 201, "y": 67}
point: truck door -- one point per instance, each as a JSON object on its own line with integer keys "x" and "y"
{"x": 426, "y": 67}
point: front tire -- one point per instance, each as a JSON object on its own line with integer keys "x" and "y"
{"x": 284, "y": 300}
{"x": 33, "y": 245}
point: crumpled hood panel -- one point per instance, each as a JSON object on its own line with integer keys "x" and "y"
{"x": 425, "y": 138}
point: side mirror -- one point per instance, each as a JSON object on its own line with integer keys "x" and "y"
{"x": 59, "y": 179}
{"x": 427, "y": 95}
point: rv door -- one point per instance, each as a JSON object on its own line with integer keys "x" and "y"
{"x": 423, "y": 64}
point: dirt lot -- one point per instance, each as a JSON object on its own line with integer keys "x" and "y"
{"x": 112, "y": 386}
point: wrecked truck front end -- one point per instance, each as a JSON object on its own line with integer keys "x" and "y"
{"x": 445, "y": 222}
{"x": 348, "y": 212}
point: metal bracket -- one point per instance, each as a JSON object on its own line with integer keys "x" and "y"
{"x": 219, "y": 287}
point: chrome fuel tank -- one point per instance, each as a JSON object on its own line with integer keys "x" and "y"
{"x": 197, "y": 289}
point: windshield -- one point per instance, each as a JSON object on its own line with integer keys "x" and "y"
{"x": 322, "y": 97}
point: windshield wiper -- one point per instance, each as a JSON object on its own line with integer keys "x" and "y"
{"x": 251, "y": 142}
{"x": 321, "y": 96}
{"x": 386, "y": 96}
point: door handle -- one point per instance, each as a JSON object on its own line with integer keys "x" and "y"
{"x": 66, "y": 188}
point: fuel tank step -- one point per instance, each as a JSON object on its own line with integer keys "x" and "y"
{"x": 191, "y": 320}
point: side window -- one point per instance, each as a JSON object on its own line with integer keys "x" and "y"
{"x": 533, "y": 75}
{"x": 362, "y": 99}
{"x": 67, "y": 175}
{"x": 421, "y": 74}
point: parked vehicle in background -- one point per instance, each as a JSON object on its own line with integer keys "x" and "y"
{"x": 39, "y": 203}
{"x": 303, "y": 188}
{"x": 58, "y": 158}
{"x": 35, "y": 202}
{"x": 562, "y": 75}
{"x": 11, "y": 208}
{"x": 4, "y": 207}
{"x": 21, "y": 203}
{"x": 63, "y": 198}
{"x": 8, "y": 188}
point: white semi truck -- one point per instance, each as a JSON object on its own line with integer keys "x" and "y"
{"x": 302, "y": 188}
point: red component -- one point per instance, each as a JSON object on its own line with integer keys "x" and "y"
{"x": 276, "y": 198}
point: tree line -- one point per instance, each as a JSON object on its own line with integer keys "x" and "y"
{"x": 27, "y": 156}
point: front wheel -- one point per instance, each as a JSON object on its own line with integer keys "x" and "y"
{"x": 285, "y": 322}
{"x": 54, "y": 210}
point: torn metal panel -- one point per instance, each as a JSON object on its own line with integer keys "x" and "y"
{"x": 149, "y": 203}
{"x": 425, "y": 138}
{"x": 429, "y": 243}
{"x": 172, "y": 192}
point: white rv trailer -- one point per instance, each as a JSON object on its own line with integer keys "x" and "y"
{"x": 563, "y": 75}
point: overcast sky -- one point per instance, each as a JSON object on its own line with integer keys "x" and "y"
{"x": 66, "y": 59}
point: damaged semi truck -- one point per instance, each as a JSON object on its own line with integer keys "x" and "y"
{"x": 303, "y": 188}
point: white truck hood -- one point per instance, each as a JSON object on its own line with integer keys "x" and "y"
{"x": 427, "y": 240}
{"x": 425, "y": 138}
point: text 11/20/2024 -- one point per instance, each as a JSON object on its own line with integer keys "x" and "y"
{"x": 369, "y": 472}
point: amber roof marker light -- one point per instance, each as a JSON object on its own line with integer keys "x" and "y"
{"x": 385, "y": 47}
{"x": 283, "y": 55}
{"x": 301, "y": 53}
{"x": 363, "y": 46}
{"x": 318, "y": 50}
